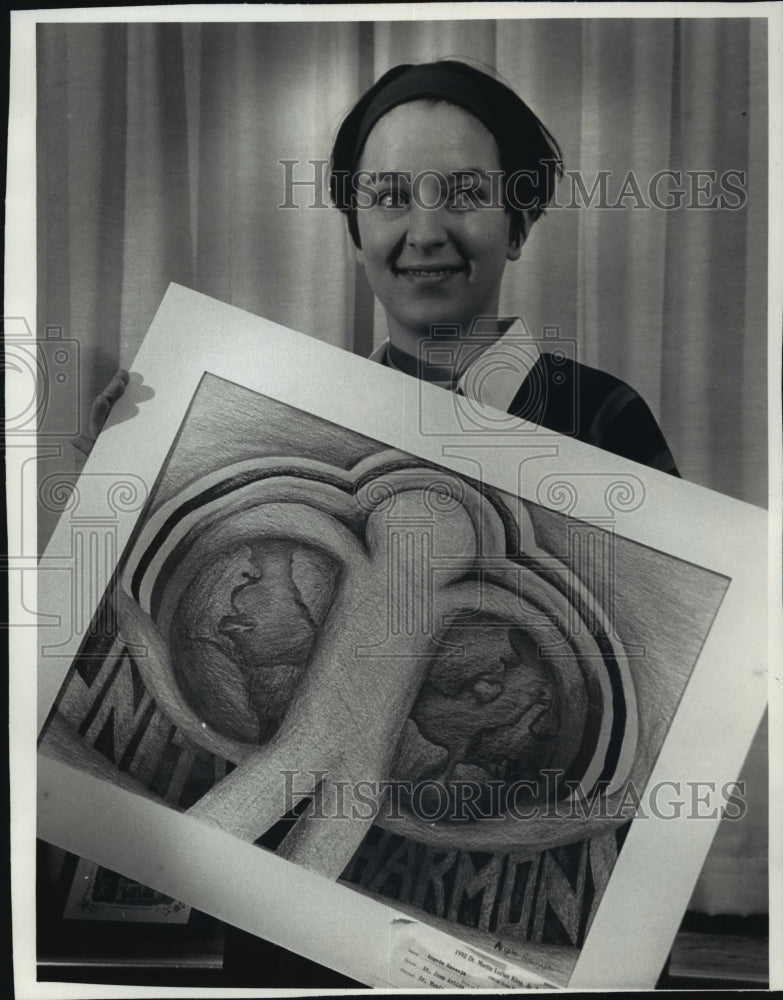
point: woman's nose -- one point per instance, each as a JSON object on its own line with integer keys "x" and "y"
{"x": 426, "y": 227}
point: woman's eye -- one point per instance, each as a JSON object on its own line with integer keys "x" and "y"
{"x": 465, "y": 199}
{"x": 393, "y": 199}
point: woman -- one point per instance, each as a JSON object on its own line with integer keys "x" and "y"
{"x": 441, "y": 172}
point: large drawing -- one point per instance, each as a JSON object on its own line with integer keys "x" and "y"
{"x": 349, "y": 677}
{"x": 437, "y": 678}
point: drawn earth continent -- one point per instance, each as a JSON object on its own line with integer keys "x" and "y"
{"x": 242, "y": 636}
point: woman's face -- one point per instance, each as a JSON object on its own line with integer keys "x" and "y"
{"x": 432, "y": 265}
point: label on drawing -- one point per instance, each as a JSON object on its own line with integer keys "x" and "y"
{"x": 424, "y": 958}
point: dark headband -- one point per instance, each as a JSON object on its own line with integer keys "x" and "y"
{"x": 481, "y": 96}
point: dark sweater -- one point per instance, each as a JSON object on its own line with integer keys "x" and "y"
{"x": 592, "y": 406}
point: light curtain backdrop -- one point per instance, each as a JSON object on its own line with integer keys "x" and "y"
{"x": 159, "y": 150}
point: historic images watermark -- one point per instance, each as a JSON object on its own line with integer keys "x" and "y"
{"x": 304, "y": 184}
{"x": 41, "y": 422}
{"x": 435, "y": 801}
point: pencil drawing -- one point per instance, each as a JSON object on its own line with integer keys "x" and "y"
{"x": 320, "y": 605}
{"x": 297, "y": 614}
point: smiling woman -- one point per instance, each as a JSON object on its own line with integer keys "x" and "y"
{"x": 429, "y": 259}
{"x": 436, "y": 150}
{"x": 441, "y": 171}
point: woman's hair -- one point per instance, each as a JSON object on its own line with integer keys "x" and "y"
{"x": 529, "y": 156}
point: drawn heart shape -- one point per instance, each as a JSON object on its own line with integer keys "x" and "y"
{"x": 411, "y": 554}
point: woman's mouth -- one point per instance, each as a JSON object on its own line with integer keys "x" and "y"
{"x": 430, "y": 273}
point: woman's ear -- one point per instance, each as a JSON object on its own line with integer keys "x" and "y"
{"x": 520, "y": 229}
{"x": 515, "y": 247}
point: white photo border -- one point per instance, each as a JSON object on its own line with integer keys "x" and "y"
{"x": 20, "y": 302}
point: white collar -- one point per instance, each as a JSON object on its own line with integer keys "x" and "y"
{"x": 494, "y": 378}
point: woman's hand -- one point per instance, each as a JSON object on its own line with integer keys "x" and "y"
{"x": 99, "y": 411}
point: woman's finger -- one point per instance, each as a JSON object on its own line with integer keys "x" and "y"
{"x": 102, "y": 405}
{"x": 117, "y": 386}
{"x": 99, "y": 411}
{"x": 83, "y": 443}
